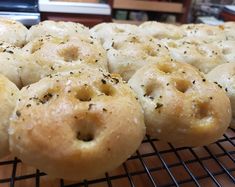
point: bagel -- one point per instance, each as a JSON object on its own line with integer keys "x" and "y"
{"x": 9, "y": 62}
{"x": 128, "y": 53}
{"x": 56, "y": 29}
{"x": 227, "y": 47}
{"x": 229, "y": 28}
{"x": 180, "y": 105}
{"x": 159, "y": 30}
{"x": 77, "y": 125}
{"x": 204, "y": 56}
{"x": 204, "y": 32}
{"x": 48, "y": 55}
{"x": 12, "y": 32}
{"x": 8, "y": 95}
{"x": 106, "y": 31}
{"x": 224, "y": 76}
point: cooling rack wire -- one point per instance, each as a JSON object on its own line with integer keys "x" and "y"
{"x": 154, "y": 164}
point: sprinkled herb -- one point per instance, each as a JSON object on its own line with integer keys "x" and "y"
{"x": 226, "y": 89}
{"x": 204, "y": 80}
{"x": 18, "y": 113}
{"x": 158, "y": 105}
{"x": 90, "y": 106}
{"x": 116, "y": 80}
{"x": 52, "y": 68}
{"x": 211, "y": 98}
{"x": 28, "y": 105}
{"x": 104, "y": 109}
{"x": 103, "y": 81}
{"x": 71, "y": 73}
{"x": 168, "y": 84}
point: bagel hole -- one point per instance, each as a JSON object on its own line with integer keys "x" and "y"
{"x": 69, "y": 53}
{"x": 36, "y": 46}
{"x": 87, "y": 137}
{"x": 84, "y": 94}
{"x": 150, "y": 51}
{"x": 166, "y": 68}
{"x": 85, "y": 129}
{"x": 107, "y": 89}
{"x": 150, "y": 89}
{"x": 203, "y": 109}
{"x": 182, "y": 85}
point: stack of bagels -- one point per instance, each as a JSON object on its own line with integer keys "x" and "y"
{"x": 77, "y": 102}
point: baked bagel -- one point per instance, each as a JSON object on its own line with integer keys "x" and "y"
{"x": 204, "y": 56}
{"x": 8, "y": 95}
{"x": 57, "y": 29}
{"x": 229, "y": 28}
{"x": 47, "y": 55}
{"x": 106, "y": 31}
{"x": 77, "y": 125}
{"x": 159, "y": 30}
{"x": 180, "y": 105}
{"x": 227, "y": 49}
{"x": 128, "y": 53}
{"x": 204, "y": 32}
{"x": 224, "y": 75}
{"x": 12, "y": 32}
{"x": 9, "y": 62}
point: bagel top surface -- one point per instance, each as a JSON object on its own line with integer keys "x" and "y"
{"x": 87, "y": 118}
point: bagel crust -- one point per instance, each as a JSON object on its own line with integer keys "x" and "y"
{"x": 48, "y": 55}
{"x": 67, "y": 124}
{"x": 8, "y": 96}
{"x": 180, "y": 105}
{"x": 12, "y": 32}
{"x": 56, "y": 29}
{"x": 224, "y": 76}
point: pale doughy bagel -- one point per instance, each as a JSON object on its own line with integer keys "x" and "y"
{"x": 224, "y": 75}
{"x": 106, "y": 31}
{"x": 12, "y": 32}
{"x": 49, "y": 55}
{"x": 180, "y": 105}
{"x": 77, "y": 125}
{"x": 229, "y": 28}
{"x": 204, "y": 56}
{"x": 161, "y": 30}
{"x": 57, "y": 29}
{"x": 207, "y": 33}
{"x": 128, "y": 53}
{"x": 227, "y": 49}
{"x": 8, "y": 95}
{"x": 9, "y": 62}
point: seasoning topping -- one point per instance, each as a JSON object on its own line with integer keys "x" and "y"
{"x": 158, "y": 105}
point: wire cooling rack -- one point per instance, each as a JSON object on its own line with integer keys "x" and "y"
{"x": 154, "y": 164}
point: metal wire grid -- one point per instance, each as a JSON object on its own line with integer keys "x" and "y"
{"x": 154, "y": 164}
